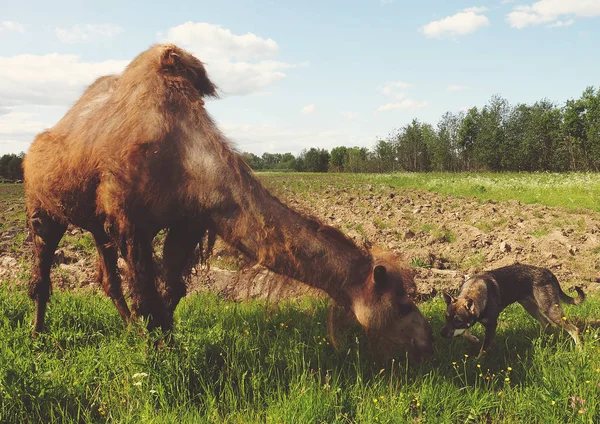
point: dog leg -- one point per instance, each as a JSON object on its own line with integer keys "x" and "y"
{"x": 556, "y": 315}
{"x": 532, "y": 308}
{"x": 490, "y": 333}
{"x": 467, "y": 335}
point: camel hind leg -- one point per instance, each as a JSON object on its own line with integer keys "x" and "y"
{"x": 46, "y": 233}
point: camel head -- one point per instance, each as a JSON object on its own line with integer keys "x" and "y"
{"x": 384, "y": 309}
{"x": 180, "y": 69}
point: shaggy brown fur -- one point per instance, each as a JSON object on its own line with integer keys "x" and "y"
{"x": 139, "y": 153}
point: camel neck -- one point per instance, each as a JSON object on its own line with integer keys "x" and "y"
{"x": 286, "y": 242}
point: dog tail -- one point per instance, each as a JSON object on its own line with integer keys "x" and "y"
{"x": 572, "y": 300}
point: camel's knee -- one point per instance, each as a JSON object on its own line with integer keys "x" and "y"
{"x": 173, "y": 294}
{"x": 112, "y": 288}
{"x": 39, "y": 290}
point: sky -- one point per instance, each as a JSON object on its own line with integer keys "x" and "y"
{"x": 301, "y": 74}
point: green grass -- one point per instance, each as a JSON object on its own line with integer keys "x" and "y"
{"x": 426, "y": 228}
{"x": 539, "y": 233}
{"x": 246, "y": 363}
{"x": 379, "y": 223}
{"x": 570, "y": 190}
{"x": 419, "y": 263}
{"x": 12, "y": 205}
{"x": 359, "y": 229}
{"x": 81, "y": 242}
{"x": 444, "y": 235}
{"x": 17, "y": 242}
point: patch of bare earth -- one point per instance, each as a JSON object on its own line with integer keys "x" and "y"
{"x": 445, "y": 238}
{"x": 442, "y": 238}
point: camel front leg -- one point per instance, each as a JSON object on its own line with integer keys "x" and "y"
{"x": 179, "y": 255}
{"x": 145, "y": 300}
{"x": 108, "y": 274}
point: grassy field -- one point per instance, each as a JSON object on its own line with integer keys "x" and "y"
{"x": 249, "y": 363}
{"x": 574, "y": 190}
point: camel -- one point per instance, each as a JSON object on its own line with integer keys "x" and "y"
{"x": 139, "y": 153}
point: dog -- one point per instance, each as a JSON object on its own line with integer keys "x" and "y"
{"x": 483, "y": 296}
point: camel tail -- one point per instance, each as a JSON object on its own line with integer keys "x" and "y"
{"x": 572, "y": 300}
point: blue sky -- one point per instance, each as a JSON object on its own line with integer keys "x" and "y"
{"x": 300, "y": 74}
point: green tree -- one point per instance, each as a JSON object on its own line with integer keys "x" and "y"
{"x": 467, "y": 137}
{"x": 11, "y": 166}
{"x": 287, "y": 162}
{"x": 337, "y": 158}
{"x": 356, "y": 159}
{"x": 384, "y": 157}
{"x": 253, "y": 161}
{"x": 582, "y": 130}
{"x": 411, "y": 146}
{"x": 313, "y": 160}
{"x": 489, "y": 147}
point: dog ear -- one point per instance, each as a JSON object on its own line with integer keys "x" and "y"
{"x": 470, "y": 306}
{"x": 448, "y": 298}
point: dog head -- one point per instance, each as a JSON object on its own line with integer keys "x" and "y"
{"x": 461, "y": 314}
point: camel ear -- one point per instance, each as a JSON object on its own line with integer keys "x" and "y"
{"x": 380, "y": 277}
{"x": 169, "y": 59}
{"x": 448, "y": 298}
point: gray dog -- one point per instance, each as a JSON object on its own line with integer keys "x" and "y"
{"x": 485, "y": 295}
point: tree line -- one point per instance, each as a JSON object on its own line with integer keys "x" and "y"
{"x": 10, "y": 167}
{"x": 496, "y": 137}
{"x": 542, "y": 136}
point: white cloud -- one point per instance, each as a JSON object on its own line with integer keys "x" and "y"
{"x": 239, "y": 64}
{"x": 52, "y": 79}
{"x": 551, "y": 11}
{"x": 307, "y": 110}
{"x": 456, "y": 88}
{"x": 31, "y": 85}
{"x": 17, "y": 130}
{"x": 391, "y": 88}
{"x": 349, "y": 115}
{"x": 475, "y": 9}
{"x": 35, "y": 91}
{"x": 559, "y": 24}
{"x": 10, "y": 26}
{"x": 462, "y": 23}
{"x": 81, "y": 33}
{"x": 405, "y": 104}
{"x": 16, "y": 124}
{"x": 214, "y": 42}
